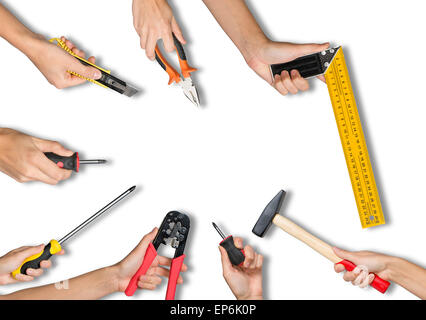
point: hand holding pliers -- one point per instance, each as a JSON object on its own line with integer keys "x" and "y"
{"x": 185, "y": 83}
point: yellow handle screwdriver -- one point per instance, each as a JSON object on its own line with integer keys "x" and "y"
{"x": 54, "y": 246}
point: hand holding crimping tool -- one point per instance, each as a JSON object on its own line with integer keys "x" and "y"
{"x": 72, "y": 162}
{"x": 174, "y": 232}
{"x": 185, "y": 83}
{"x": 107, "y": 80}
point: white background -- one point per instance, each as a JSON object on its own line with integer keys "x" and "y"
{"x": 226, "y": 161}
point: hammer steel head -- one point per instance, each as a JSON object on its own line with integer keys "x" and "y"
{"x": 268, "y": 214}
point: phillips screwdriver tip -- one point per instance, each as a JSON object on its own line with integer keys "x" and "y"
{"x": 132, "y": 188}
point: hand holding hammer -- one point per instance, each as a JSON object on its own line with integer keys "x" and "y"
{"x": 270, "y": 215}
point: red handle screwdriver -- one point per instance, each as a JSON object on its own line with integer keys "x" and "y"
{"x": 72, "y": 162}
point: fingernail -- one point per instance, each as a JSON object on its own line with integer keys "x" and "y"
{"x": 97, "y": 74}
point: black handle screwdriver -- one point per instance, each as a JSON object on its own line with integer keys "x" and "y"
{"x": 72, "y": 162}
{"x": 236, "y": 255}
{"x": 54, "y": 246}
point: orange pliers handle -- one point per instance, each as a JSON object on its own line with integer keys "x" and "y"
{"x": 174, "y": 76}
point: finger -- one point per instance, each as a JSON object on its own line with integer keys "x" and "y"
{"x": 51, "y": 169}
{"x": 150, "y": 46}
{"x": 347, "y": 255}
{"x": 167, "y": 262}
{"x": 250, "y": 256}
{"x": 140, "y": 249}
{"x": 368, "y": 280}
{"x": 28, "y": 252}
{"x": 259, "y": 262}
{"x": 168, "y": 43}
{"x": 52, "y": 146}
{"x": 92, "y": 59}
{"x": 85, "y": 71}
{"x": 322, "y": 78}
{"x": 23, "y": 277}
{"x": 238, "y": 242}
{"x": 163, "y": 272}
{"x": 143, "y": 39}
{"x": 37, "y": 175}
{"x": 226, "y": 263}
{"x": 34, "y": 272}
{"x": 308, "y": 48}
{"x": 177, "y": 31}
{"x": 339, "y": 268}
{"x": 45, "y": 264}
{"x": 300, "y": 83}
{"x": 349, "y": 276}
{"x": 288, "y": 83}
{"x": 156, "y": 280}
{"x": 279, "y": 85}
{"x": 146, "y": 286}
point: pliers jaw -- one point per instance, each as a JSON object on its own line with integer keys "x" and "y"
{"x": 185, "y": 82}
{"x": 174, "y": 232}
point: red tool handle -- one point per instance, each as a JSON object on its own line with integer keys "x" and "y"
{"x": 378, "y": 283}
{"x": 150, "y": 255}
{"x": 175, "y": 268}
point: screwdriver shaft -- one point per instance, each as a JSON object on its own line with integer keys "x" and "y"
{"x": 97, "y": 214}
{"x": 218, "y": 230}
{"x": 94, "y": 161}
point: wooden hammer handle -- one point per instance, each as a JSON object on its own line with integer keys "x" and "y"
{"x": 323, "y": 248}
{"x": 317, "y": 244}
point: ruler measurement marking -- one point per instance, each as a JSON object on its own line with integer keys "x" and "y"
{"x": 353, "y": 143}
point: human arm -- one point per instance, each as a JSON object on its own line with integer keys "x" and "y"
{"x": 104, "y": 281}
{"x": 22, "y": 158}
{"x": 53, "y": 62}
{"x": 258, "y": 51}
{"x": 245, "y": 282}
{"x": 408, "y": 275}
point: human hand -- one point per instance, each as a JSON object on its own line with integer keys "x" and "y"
{"x": 261, "y": 57}
{"x": 153, "y": 20}
{"x": 245, "y": 282}
{"x": 22, "y": 158}
{"x": 367, "y": 263}
{"x": 126, "y": 268}
{"x": 54, "y": 63}
{"x": 12, "y": 260}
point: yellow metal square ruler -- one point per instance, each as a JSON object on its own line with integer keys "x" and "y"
{"x": 331, "y": 63}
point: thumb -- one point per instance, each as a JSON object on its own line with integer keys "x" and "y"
{"x": 146, "y": 240}
{"x": 226, "y": 263}
{"x": 86, "y": 71}
{"x": 309, "y": 48}
{"x": 346, "y": 255}
{"x": 52, "y": 146}
{"x": 28, "y": 252}
{"x": 177, "y": 31}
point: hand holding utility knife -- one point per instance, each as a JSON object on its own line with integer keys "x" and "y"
{"x": 174, "y": 232}
{"x": 185, "y": 83}
{"x": 54, "y": 246}
{"x": 107, "y": 80}
{"x": 72, "y": 162}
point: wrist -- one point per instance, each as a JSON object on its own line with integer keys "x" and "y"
{"x": 253, "y": 45}
{"x": 32, "y": 46}
{"x": 393, "y": 267}
{"x": 113, "y": 278}
{"x": 251, "y": 297}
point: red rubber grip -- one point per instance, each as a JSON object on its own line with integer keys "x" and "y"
{"x": 378, "y": 283}
{"x": 175, "y": 268}
{"x": 150, "y": 255}
{"x": 77, "y": 162}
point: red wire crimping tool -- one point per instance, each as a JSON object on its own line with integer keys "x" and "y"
{"x": 173, "y": 231}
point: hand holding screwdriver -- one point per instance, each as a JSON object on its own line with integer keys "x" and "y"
{"x": 236, "y": 255}
{"x": 22, "y": 158}
{"x": 72, "y": 162}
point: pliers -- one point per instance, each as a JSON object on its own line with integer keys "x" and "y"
{"x": 174, "y": 232}
{"x": 185, "y": 83}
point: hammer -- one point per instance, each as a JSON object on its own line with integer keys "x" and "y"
{"x": 271, "y": 215}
